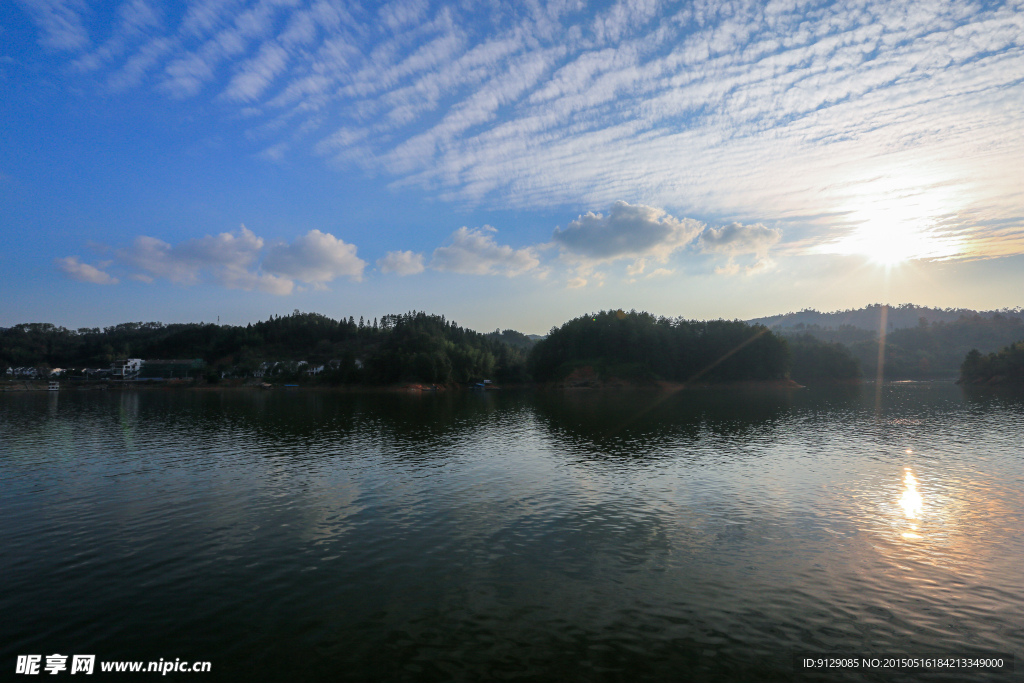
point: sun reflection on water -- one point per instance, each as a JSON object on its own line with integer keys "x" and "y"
{"x": 911, "y": 502}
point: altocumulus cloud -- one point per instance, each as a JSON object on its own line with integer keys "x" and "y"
{"x": 401, "y": 263}
{"x": 774, "y": 109}
{"x": 83, "y": 272}
{"x": 768, "y": 108}
{"x": 475, "y": 252}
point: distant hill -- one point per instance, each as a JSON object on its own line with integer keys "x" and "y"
{"x": 513, "y": 338}
{"x": 869, "y": 317}
{"x": 921, "y": 342}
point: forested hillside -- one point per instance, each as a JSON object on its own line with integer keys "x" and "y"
{"x": 410, "y": 346}
{"x": 641, "y": 346}
{"x": 871, "y": 317}
{"x": 416, "y": 346}
{"x": 937, "y": 349}
{"x": 814, "y": 359}
{"x": 1004, "y": 367}
{"x": 927, "y": 350}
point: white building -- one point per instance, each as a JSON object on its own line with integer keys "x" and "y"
{"x": 126, "y": 369}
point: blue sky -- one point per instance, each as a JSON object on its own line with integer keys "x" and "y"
{"x": 506, "y": 164}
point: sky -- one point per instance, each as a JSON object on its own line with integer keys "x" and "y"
{"x": 506, "y": 164}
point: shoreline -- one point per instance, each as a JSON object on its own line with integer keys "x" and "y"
{"x": 24, "y": 386}
{"x": 407, "y": 387}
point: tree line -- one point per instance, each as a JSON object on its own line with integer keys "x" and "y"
{"x": 416, "y": 346}
{"x": 638, "y": 345}
{"x": 408, "y": 346}
{"x": 871, "y": 317}
{"x": 1003, "y": 367}
{"x": 927, "y": 350}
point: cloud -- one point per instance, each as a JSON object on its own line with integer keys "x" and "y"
{"x": 401, "y": 263}
{"x": 275, "y": 152}
{"x": 225, "y": 254}
{"x": 60, "y": 23}
{"x": 316, "y": 258}
{"x": 637, "y": 268}
{"x": 257, "y": 74}
{"x": 397, "y": 15}
{"x": 228, "y": 257}
{"x": 778, "y": 110}
{"x": 576, "y": 283}
{"x": 239, "y": 278}
{"x": 83, "y": 272}
{"x": 737, "y": 238}
{"x": 628, "y": 231}
{"x": 475, "y": 252}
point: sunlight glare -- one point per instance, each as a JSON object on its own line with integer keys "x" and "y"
{"x": 911, "y": 501}
{"x": 899, "y": 216}
{"x": 889, "y": 244}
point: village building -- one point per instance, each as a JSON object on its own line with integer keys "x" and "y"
{"x": 127, "y": 368}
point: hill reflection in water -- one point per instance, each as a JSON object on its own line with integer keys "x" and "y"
{"x": 585, "y": 535}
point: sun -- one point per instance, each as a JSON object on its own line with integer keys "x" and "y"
{"x": 893, "y": 245}
{"x": 899, "y": 214}
{"x": 890, "y": 244}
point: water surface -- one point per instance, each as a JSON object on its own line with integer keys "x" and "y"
{"x": 572, "y": 536}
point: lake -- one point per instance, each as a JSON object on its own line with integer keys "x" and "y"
{"x": 705, "y": 535}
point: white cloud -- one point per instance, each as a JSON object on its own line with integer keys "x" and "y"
{"x": 226, "y": 254}
{"x": 401, "y": 13}
{"x": 401, "y": 263}
{"x": 239, "y": 278}
{"x": 576, "y": 282}
{"x": 228, "y": 257}
{"x": 784, "y": 111}
{"x": 628, "y": 231}
{"x": 275, "y": 152}
{"x": 255, "y": 76}
{"x": 316, "y": 258}
{"x": 83, "y": 272}
{"x": 476, "y": 253}
{"x": 637, "y": 268}
{"x": 156, "y": 257}
{"x": 60, "y": 23}
{"x": 737, "y": 238}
